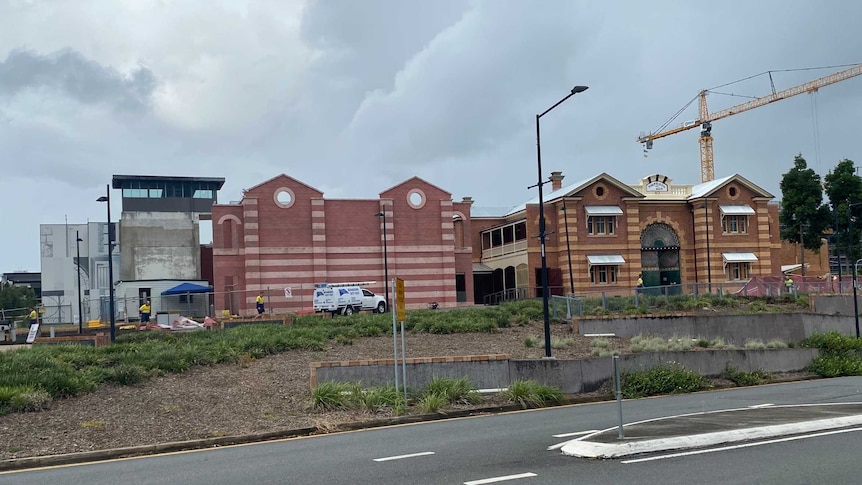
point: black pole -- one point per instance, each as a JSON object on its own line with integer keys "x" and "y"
{"x": 802, "y": 249}
{"x": 78, "y": 266}
{"x": 708, "y": 255}
{"x": 855, "y": 302}
{"x": 568, "y": 248}
{"x": 107, "y": 198}
{"x": 385, "y": 258}
{"x": 837, "y": 240}
{"x": 545, "y": 314}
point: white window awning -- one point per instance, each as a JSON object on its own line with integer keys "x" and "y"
{"x": 736, "y": 210}
{"x": 603, "y": 210}
{"x": 605, "y": 260}
{"x": 738, "y": 257}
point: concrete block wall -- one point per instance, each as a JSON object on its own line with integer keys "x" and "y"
{"x": 487, "y": 371}
{"x": 572, "y": 376}
{"x": 735, "y": 329}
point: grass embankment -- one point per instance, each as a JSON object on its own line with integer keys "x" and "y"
{"x": 31, "y": 377}
{"x": 438, "y": 394}
{"x": 658, "y": 304}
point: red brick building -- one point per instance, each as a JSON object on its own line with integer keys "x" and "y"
{"x": 602, "y": 233}
{"x": 284, "y": 237}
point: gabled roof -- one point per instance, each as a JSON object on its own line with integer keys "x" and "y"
{"x": 707, "y": 188}
{"x": 577, "y": 187}
{"x": 282, "y": 176}
{"x": 414, "y": 178}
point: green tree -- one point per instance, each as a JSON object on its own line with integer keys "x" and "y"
{"x": 803, "y": 214}
{"x": 14, "y": 296}
{"x": 844, "y": 189}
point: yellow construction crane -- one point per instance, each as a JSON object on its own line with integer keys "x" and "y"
{"x": 705, "y": 119}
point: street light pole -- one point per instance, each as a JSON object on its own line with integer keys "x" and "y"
{"x": 78, "y": 241}
{"x": 855, "y": 302}
{"x": 539, "y": 184}
{"x": 568, "y": 248}
{"x": 107, "y": 198}
{"x": 385, "y": 259}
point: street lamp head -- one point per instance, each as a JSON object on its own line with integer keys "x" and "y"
{"x": 380, "y": 214}
{"x": 102, "y": 199}
{"x": 579, "y": 89}
{"x": 80, "y": 240}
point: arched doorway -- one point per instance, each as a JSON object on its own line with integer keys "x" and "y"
{"x": 660, "y": 255}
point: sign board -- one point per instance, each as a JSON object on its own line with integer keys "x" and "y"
{"x": 34, "y": 329}
{"x": 288, "y": 293}
{"x": 399, "y": 300}
{"x": 656, "y": 186}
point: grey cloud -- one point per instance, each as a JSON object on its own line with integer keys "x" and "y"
{"x": 79, "y": 78}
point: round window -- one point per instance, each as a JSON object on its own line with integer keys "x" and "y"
{"x": 284, "y": 197}
{"x": 732, "y": 191}
{"x": 416, "y": 198}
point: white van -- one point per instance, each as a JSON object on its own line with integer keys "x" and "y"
{"x": 346, "y": 298}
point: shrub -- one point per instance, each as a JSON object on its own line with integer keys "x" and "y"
{"x": 833, "y": 343}
{"x": 431, "y": 403}
{"x": 754, "y": 344}
{"x": 600, "y": 343}
{"x": 602, "y": 353}
{"x": 377, "y": 398}
{"x": 331, "y": 395}
{"x": 531, "y": 393}
{"x": 561, "y": 343}
{"x": 664, "y": 379}
{"x": 530, "y": 341}
{"x": 454, "y": 391}
{"x": 742, "y": 378}
{"x": 702, "y": 343}
{"x": 719, "y": 343}
{"x": 836, "y": 365}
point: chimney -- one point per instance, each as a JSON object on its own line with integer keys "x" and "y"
{"x": 467, "y": 200}
{"x": 556, "y": 179}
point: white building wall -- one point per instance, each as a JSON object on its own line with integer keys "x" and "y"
{"x": 60, "y": 271}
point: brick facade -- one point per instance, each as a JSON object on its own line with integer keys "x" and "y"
{"x": 693, "y": 213}
{"x": 285, "y": 234}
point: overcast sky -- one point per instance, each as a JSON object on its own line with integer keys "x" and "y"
{"x": 352, "y": 97}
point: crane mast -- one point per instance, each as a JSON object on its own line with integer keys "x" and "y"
{"x": 705, "y": 118}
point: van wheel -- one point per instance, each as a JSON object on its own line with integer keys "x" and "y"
{"x": 348, "y": 310}
{"x": 381, "y": 307}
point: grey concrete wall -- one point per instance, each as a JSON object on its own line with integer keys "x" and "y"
{"x": 491, "y": 374}
{"x": 832, "y": 304}
{"x": 735, "y": 329}
{"x": 572, "y": 376}
{"x": 160, "y": 245}
{"x": 575, "y": 376}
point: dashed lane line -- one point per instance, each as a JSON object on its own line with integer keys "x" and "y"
{"x": 500, "y": 479}
{"x": 401, "y": 457}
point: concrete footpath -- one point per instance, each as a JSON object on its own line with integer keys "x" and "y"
{"x": 702, "y": 430}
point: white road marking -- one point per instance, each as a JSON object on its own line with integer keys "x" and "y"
{"x": 399, "y": 457}
{"x": 576, "y": 433}
{"x": 500, "y": 479}
{"x": 761, "y": 405}
{"x": 746, "y": 445}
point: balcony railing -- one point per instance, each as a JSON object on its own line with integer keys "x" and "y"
{"x": 505, "y": 249}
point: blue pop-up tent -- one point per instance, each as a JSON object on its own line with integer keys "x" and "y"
{"x": 185, "y": 288}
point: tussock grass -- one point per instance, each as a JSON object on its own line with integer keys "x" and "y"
{"x": 665, "y": 379}
{"x": 531, "y": 393}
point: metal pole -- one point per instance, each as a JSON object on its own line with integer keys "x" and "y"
{"x": 385, "y": 260}
{"x": 403, "y": 363}
{"x": 855, "y": 302}
{"x": 545, "y": 316}
{"x": 110, "y": 266}
{"x": 568, "y": 248}
{"x": 802, "y": 249}
{"x": 78, "y": 267}
{"x": 395, "y": 343}
{"x": 268, "y": 301}
{"x": 619, "y": 393}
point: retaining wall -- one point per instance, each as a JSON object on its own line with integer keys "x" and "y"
{"x": 735, "y": 329}
{"x": 572, "y": 376}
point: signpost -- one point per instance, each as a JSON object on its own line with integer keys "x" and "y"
{"x": 401, "y": 311}
{"x": 288, "y": 293}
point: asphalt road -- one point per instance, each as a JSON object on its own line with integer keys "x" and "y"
{"x": 514, "y": 445}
